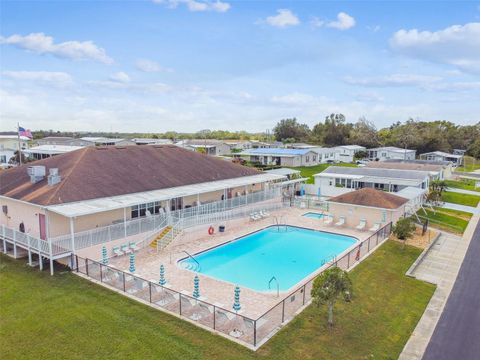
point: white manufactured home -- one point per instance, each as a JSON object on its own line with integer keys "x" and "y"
{"x": 391, "y": 152}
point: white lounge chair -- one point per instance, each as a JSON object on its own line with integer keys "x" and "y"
{"x": 125, "y": 249}
{"x": 255, "y": 217}
{"x": 328, "y": 219}
{"x": 341, "y": 221}
{"x": 117, "y": 251}
{"x": 362, "y": 225}
{"x": 263, "y": 213}
{"x": 133, "y": 246}
{"x": 375, "y": 227}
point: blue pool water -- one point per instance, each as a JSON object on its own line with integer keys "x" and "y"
{"x": 313, "y": 215}
{"x": 288, "y": 253}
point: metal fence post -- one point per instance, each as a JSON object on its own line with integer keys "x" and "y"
{"x": 348, "y": 260}
{"x": 150, "y": 291}
{"x": 214, "y": 317}
{"x": 255, "y": 333}
{"x": 304, "y": 288}
{"x": 123, "y": 281}
{"x": 283, "y": 310}
{"x": 368, "y": 247}
{"x": 76, "y": 261}
{"x": 180, "y": 303}
{"x": 86, "y": 265}
{"x": 101, "y": 273}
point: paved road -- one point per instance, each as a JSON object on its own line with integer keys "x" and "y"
{"x": 457, "y": 334}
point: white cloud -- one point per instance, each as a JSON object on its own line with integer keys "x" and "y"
{"x": 146, "y": 65}
{"x": 42, "y": 44}
{"x": 315, "y": 22}
{"x": 197, "y": 5}
{"x": 120, "y": 77}
{"x": 283, "y": 19}
{"x": 394, "y": 80}
{"x": 457, "y": 45}
{"x": 59, "y": 79}
{"x": 343, "y": 22}
{"x": 369, "y": 97}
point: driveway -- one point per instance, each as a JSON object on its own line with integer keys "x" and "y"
{"x": 463, "y": 191}
{"x": 469, "y": 209}
{"x": 457, "y": 334}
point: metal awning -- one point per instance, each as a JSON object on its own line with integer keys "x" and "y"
{"x": 118, "y": 202}
{"x": 293, "y": 181}
{"x": 341, "y": 176}
{"x": 411, "y": 192}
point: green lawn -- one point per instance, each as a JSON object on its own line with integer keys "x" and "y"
{"x": 462, "y": 199}
{"x": 309, "y": 171}
{"x": 445, "y": 219}
{"x": 465, "y": 184}
{"x": 470, "y": 164}
{"x": 68, "y": 317}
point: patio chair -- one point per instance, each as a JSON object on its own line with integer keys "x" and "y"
{"x": 255, "y": 217}
{"x": 375, "y": 227}
{"x": 362, "y": 225}
{"x": 341, "y": 221}
{"x": 133, "y": 246}
{"x": 263, "y": 213}
{"x": 126, "y": 249}
{"x": 328, "y": 219}
{"x": 116, "y": 251}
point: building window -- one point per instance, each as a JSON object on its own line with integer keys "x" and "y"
{"x": 141, "y": 210}
{"x": 3, "y": 159}
{"x": 314, "y": 158}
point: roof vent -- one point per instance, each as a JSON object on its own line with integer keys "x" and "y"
{"x": 53, "y": 177}
{"x": 36, "y": 173}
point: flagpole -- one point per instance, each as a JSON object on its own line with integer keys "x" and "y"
{"x": 19, "y": 146}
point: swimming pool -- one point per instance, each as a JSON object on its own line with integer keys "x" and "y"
{"x": 289, "y": 253}
{"x": 313, "y": 215}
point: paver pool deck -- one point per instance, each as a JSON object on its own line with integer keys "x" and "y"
{"x": 194, "y": 240}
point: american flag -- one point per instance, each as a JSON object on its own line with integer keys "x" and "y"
{"x": 23, "y": 132}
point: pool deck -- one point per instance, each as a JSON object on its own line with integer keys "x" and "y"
{"x": 194, "y": 240}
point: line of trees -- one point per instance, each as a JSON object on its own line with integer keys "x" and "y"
{"x": 419, "y": 135}
{"x": 333, "y": 131}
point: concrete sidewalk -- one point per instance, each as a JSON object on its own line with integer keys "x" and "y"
{"x": 469, "y": 209}
{"x": 463, "y": 191}
{"x": 440, "y": 266}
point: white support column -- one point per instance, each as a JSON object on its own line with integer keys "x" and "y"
{"x": 72, "y": 240}
{"x": 49, "y": 239}
{"x": 125, "y": 221}
{"x": 40, "y": 262}
{"x": 14, "y": 243}
{"x": 29, "y": 252}
{"x": 4, "y": 240}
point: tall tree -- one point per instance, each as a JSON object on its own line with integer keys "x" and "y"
{"x": 364, "y": 133}
{"x": 291, "y": 130}
{"x": 329, "y": 286}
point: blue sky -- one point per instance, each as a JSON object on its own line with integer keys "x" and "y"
{"x": 186, "y": 65}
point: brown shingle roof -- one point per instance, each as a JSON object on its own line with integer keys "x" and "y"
{"x": 371, "y": 197}
{"x": 91, "y": 173}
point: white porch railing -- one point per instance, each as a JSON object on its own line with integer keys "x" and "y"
{"x": 203, "y": 213}
{"x": 29, "y": 242}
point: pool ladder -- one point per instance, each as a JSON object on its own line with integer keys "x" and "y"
{"x": 278, "y": 222}
{"x": 278, "y": 285}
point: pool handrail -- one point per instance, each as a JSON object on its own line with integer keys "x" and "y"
{"x": 190, "y": 256}
{"x": 278, "y": 285}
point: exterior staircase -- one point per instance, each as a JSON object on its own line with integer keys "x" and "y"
{"x": 160, "y": 236}
{"x": 165, "y": 237}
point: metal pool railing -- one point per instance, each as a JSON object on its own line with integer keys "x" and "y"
{"x": 250, "y": 332}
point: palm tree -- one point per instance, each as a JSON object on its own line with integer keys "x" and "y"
{"x": 437, "y": 187}
{"x": 329, "y": 286}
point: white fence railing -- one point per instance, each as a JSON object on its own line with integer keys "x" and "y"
{"x": 28, "y": 242}
{"x": 150, "y": 224}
